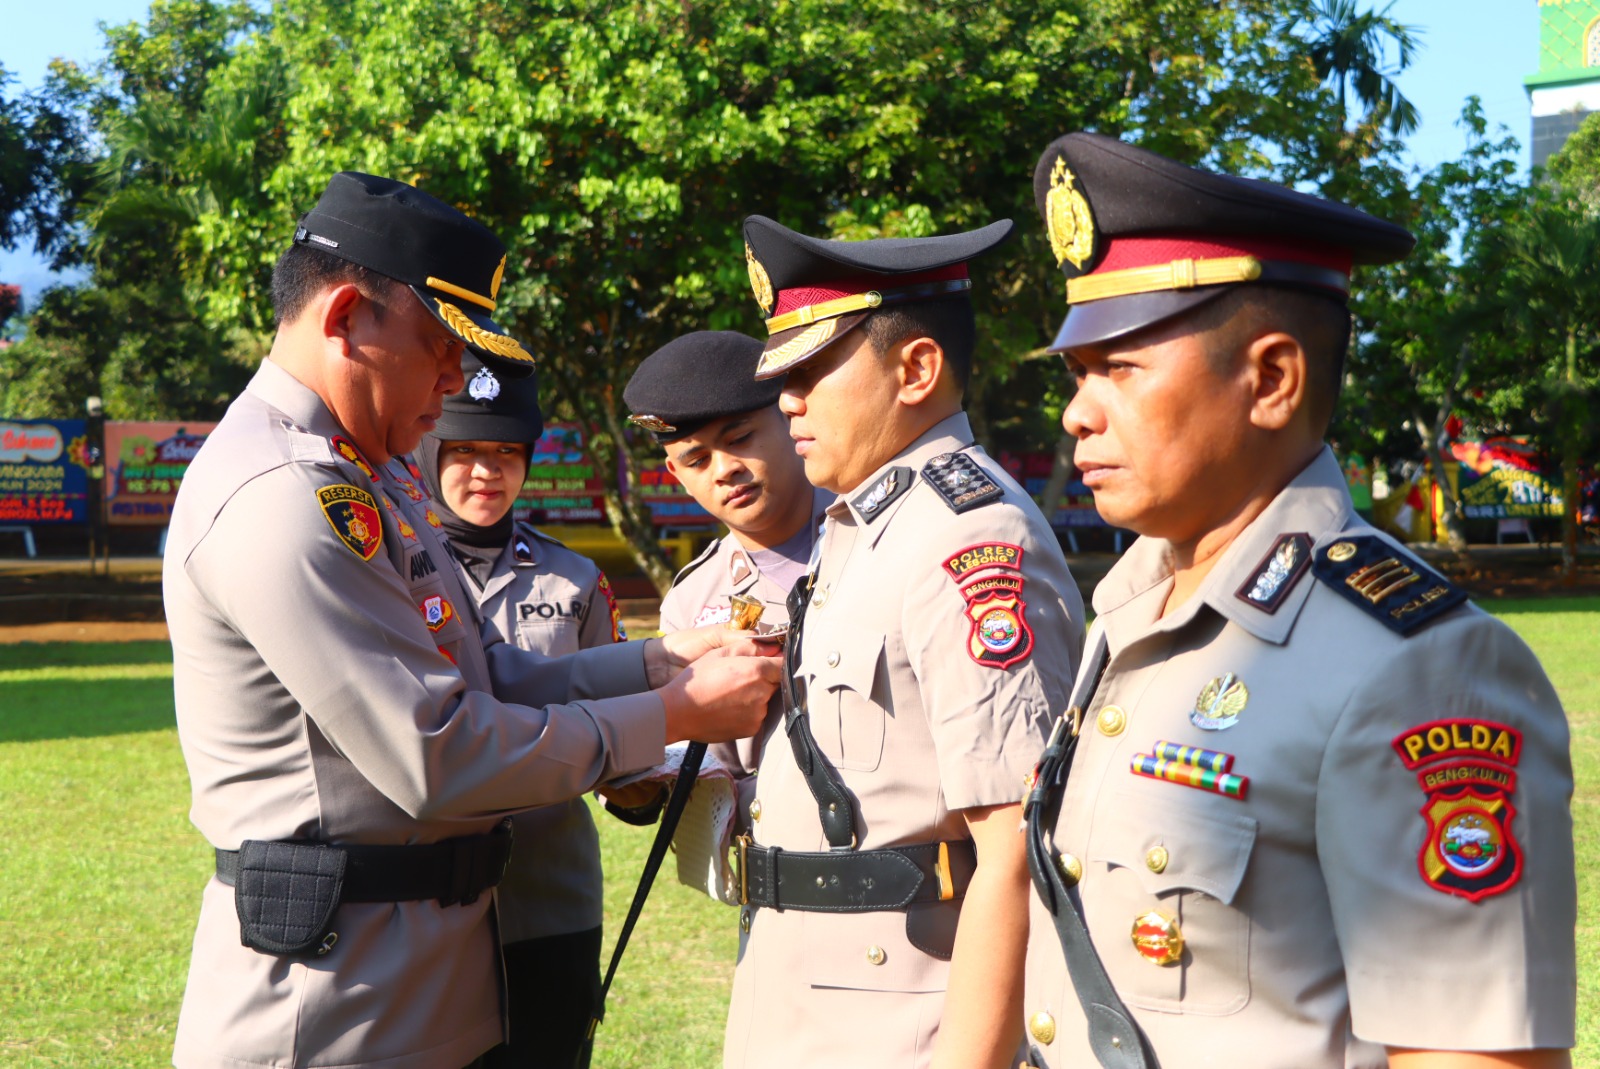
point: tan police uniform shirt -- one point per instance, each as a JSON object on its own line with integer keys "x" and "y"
{"x": 700, "y": 596}
{"x": 921, "y": 719}
{"x": 329, "y": 686}
{"x": 544, "y": 598}
{"x": 1399, "y": 869}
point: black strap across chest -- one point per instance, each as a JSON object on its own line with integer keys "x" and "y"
{"x": 1113, "y": 1036}
{"x": 833, "y": 801}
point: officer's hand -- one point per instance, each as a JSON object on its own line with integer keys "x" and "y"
{"x": 665, "y": 657}
{"x": 634, "y": 795}
{"x": 723, "y": 696}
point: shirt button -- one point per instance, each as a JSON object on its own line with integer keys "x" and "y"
{"x": 833, "y": 659}
{"x": 1071, "y": 868}
{"x": 875, "y": 955}
{"x": 1043, "y": 1027}
{"x": 1112, "y": 720}
{"x": 755, "y": 809}
{"x": 820, "y": 598}
{"x": 1157, "y": 859}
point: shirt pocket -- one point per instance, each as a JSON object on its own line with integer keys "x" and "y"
{"x": 1185, "y": 865}
{"x": 867, "y": 952}
{"x": 847, "y": 723}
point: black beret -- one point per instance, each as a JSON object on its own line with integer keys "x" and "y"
{"x": 816, "y": 290}
{"x": 1142, "y": 238}
{"x": 695, "y": 379}
{"x": 452, "y": 263}
{"x": 492, "y": 407}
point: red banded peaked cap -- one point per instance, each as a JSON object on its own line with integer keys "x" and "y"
{"x": 1141, "y": 238}
{"x": 815, "y": 290}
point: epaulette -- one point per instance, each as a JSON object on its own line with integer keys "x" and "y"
{"x": 705, "y": 555}
{"x": 960, "y": 481}
{"x": 1385, "y": 581}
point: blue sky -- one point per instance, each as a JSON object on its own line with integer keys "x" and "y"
{"x": 1468, "y": 46}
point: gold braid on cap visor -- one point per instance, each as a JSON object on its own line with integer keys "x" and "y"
{"x": 1188, "y": 274}
{"x": 857, "y": 302}
{"x": 489, "y": 342}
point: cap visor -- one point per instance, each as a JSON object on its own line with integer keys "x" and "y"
{"x": 790, "y": 348}
{"x": 482, "y": 334}
{"x": 1097, "y": 322}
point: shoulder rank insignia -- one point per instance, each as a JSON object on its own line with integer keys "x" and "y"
{"x": 1277, "y": 573}
{"x": 522, "y": 549}
{"x": 1465, "y": 768}
{"x": 346, "y": 448}
{"x": 1386, "y": 582}
{"x": 960, "y": 481}
{"x": 353, "y": 515}
{"x": 882, "y": 493}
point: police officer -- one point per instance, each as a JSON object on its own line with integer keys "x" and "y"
{"x": 333, "y": 697}
{"x": 1318, "y": 809}
{"x": 728, "y": 444}
{"x": 535, "y": 593}
{"x": 934, "y": 638}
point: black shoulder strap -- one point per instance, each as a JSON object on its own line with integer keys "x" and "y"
{"x": 1113, "y": 1036}
{"x": 833, "y": 801}
{"x": 687, "y": 772}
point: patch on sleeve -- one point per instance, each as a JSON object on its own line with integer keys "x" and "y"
{"x": 1466, "y": 771}
{"x": 881, "y": 494}
{"x": 437, "y": 611}
{"x": 975, "y": 558}
{"x": 1277, "y": 573}
{"x": 1386, "y": 582}
{"x": 346, "y": 448}
{"x": 960, "y": 481}
{"x": 1000, "y": 635}
{"x": 618, "y": 632}
{"x": 353, "y": 515}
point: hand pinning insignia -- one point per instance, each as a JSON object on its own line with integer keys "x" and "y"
{"x": 960, "y": 481}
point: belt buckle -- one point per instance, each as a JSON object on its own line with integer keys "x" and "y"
{"x": 741, "y": 844}
{"x": 941, "y": 869}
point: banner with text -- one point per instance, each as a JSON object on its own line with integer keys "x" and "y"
{"x": 145, "y": 464}
{"x": 1504, "y": 478}
{"x": 44, "y": 471}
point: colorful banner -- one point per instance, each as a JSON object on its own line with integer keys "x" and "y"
{"x": 563, "y": 484}
{"x": 1076, "y": 507}
{"x": 1503, "y": 478}
{"x": 145, "y": 465}
{"x": 44, "y": 471}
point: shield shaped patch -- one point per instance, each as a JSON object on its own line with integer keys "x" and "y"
{"x": 1470, "y": 850}
{"x": 353, "y": 515}
{"x": 1000, "y": 633}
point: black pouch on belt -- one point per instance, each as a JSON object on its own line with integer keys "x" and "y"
{"x": 286, "y": 894}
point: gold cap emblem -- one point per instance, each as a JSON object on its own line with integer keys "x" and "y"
{"x": 652, "y": 423}
{"x": 1067, "y": 218}
{"x": 760, "y": 284}
{"x": 499, "y": 277}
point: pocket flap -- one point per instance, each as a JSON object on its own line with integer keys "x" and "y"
{"x": 851, "y": 665}
{"x": 868, "y": 952}
{"x": 1196, "y": 851}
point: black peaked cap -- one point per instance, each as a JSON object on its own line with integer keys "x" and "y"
{"x": 815, "y": 290}
{"x": 695, "y": 379}
{"x": 492, "y": 407}
{"x": 1092, "y": 189}
{"x": 453, "y": 264}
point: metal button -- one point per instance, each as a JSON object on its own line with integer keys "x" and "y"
{"x": 833, "y": 659}
{"x": 1157, "y": 859}
{"x": 1070, "y": 867}
{"x": 875, "y": 955}
{"x": 1111, "y": 720}
{"x": 1157, "y": 937}
{"x": 755, "y": 809}
{"x": 744, "y": 920}
{"x": 820, "y": 598}
{"x": 1042, "y": 1027}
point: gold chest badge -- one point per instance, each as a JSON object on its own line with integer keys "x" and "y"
{"x": 1067, "y": 219}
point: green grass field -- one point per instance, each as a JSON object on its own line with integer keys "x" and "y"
{"x": 100, "y": 871}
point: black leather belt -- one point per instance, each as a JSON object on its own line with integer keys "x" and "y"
{"x": 854, "y": 881}
{"x": 452, "y": 870}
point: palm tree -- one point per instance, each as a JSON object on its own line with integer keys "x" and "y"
{"x": 1348, "y": 48}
